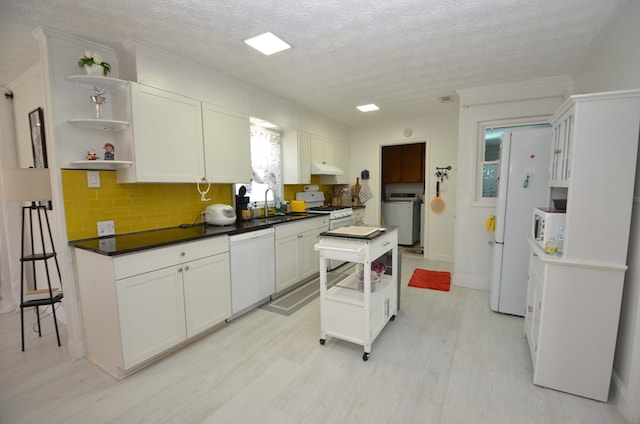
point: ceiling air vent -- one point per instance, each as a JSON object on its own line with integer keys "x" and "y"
{"x": 446, "y": 99}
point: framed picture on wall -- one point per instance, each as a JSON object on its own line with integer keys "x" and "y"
{"x": 38, "y": 142}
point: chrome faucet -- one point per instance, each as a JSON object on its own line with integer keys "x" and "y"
{"x": 266, "y": 205}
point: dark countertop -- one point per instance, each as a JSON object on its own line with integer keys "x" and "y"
{"x": 133, "y": 242}
{"x": 380, "y": 230}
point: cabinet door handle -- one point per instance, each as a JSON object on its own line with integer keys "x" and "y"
{"x": 180, "y": 269}
{"x": 182, "y": 253}
{"x": 529, "y": 308}
{"x": 535, "y": 255}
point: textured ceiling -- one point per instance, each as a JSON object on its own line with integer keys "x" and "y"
{"x": 400, "y": 54}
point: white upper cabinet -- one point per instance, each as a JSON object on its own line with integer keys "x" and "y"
{"x": 599, "y": 145}
{"x": 562, "y": 143}
{"x": 296, "y": 159}
{"x": 321, "y": 150}
{"x": 329, "y": 152}
{"x": 177, "y": 139}
{"x": 227, "y": 145}
{"x": 342, "y": 158}
{"x": 167, "y": 137}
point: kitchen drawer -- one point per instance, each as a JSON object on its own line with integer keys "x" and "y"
{"x": 293, "y": 228}
{"x": 149, "y": 260}
{"x": 322, "y": 223}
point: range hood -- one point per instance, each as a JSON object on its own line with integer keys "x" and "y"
{"x": 323, "y": 169}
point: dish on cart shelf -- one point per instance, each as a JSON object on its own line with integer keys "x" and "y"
{"x": 375, "y": 280}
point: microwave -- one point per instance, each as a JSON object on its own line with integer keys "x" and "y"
{"x": 546, "y": 224}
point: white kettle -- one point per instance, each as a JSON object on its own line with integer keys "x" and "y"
{"x": 219, "y": 214}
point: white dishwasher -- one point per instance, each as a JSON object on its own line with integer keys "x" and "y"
{"x": 253, "y": 275}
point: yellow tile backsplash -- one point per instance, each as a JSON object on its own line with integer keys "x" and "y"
{"x": 138, "y": 207}
{"x": 132, "y": 207}
{"x": 290, "y": 190}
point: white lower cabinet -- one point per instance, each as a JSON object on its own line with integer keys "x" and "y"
{"x": 344, "y": 313}
{"x": 151, "y": 314}
{"x": 139, "y": 306}
{"x": 571, "y": 323}
{"x": 534, "y": 304}
{"x": 296, "y": 257}
{"x": 207, "y": 293}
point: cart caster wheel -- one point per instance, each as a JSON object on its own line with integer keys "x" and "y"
{"x": 322, "y": 341}
{"x": 393, "y": 317}
{"x": 365, "y": 356}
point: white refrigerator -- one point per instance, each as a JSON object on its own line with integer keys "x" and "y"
{"x": 523, "y": 184}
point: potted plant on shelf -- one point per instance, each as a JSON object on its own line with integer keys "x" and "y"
{"x": 93, "y": 64}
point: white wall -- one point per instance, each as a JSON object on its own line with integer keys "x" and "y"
{"x": 440, "y": 133}
{"x": 614, "y": 64}
{"x": 15, "y": 135}
{"x": 150, "y": 65}
{"x": 9, "y": 213}
{"x": 509, "y": 104}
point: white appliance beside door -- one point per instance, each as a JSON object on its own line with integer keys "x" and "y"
{"x": 524, "y": 161}
{"x": 402, "y": 210}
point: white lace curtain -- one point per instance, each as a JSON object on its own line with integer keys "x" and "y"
{"x": 266, "y": 157}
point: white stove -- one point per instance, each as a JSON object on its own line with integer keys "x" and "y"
{"x": 315, "y": 204}
{"x": 334, "y": 212}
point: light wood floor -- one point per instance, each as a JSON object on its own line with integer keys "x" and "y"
{"x": 445, "y": 359}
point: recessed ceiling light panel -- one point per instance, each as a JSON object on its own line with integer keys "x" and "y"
{"x": 367, "y": 108}
{"x": 267, "y": 43}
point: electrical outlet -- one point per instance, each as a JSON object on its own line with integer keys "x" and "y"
{"x": 93, "y": 179}
{"x": 106, "y": 228}
{"x": 108, "y": 244}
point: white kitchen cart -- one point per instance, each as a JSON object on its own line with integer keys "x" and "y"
{"x": 347, "y": 312}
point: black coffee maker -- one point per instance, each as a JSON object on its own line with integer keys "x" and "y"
{"x": 242, "y": 204}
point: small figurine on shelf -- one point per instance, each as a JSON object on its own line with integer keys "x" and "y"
{"x": 109, "y": 151}
{"x": 91, "y": 155}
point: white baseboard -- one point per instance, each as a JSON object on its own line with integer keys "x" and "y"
{"x": 619, "y": 396}
{"x": 439, "y": 257}
{"x": 470, "y": 282}
{"x": 76, "y": 350}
